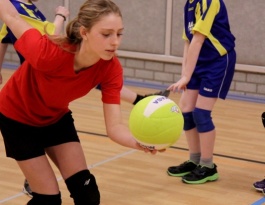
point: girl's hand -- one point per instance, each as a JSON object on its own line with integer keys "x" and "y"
{"x": 180, "y": 85}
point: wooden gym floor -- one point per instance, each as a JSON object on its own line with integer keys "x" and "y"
{"x": 130, "y": 177}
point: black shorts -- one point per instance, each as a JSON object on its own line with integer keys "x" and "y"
{"x": 24, "y": 142}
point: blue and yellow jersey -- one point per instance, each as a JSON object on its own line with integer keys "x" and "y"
{"x": 31, "y": 14}
{"x": 210, "y": 18}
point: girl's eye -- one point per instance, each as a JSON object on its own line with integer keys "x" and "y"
{"x": 106, "y": 35}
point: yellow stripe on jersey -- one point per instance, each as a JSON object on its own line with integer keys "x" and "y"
{"x": 204, "y": 22}
{"x": 205, "y": 16}
{"x": 42, "y": 26}
{"x": 30, "y": 12}
{"x": 184, "y": 36}
{"x": 3, "y": 32}
{"x": 221, "y": 49}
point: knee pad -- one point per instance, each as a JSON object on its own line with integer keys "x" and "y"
{"x": 83, "y": 188}
{"x": 203, "y": 120}
{"x": 188, "y": 121}
{"x": 41, "y": 199}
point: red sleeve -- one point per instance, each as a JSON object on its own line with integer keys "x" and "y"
{"x": 112, "y": 83}
{"x": 39, "y": 51}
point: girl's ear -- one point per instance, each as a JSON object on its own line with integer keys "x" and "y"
{"x": 83, "y": 32}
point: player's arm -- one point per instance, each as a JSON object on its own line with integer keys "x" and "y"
{"x": 3, "y": 48}
{"x": 192, "y": 54}
{"x": 185, "y": 51}
{"x": 61, "y": 13}
{"x": 10, "y": 16}
{"x": 117, "y": 131}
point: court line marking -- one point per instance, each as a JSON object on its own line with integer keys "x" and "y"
{"x": 259, "y": 202}
{"x": 89, "y": 167}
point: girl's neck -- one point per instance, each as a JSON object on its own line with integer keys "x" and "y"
{"x": 84, "y": 58}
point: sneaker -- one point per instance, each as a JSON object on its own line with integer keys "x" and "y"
{"x": 182, "y": 169}
{"x": 201, "y": 175}
{"x": 161, "y": 92}
{"x": 26, "y": 189}
{"x": 259, "y": 185}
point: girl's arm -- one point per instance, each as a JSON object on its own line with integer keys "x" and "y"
{"x": 185, "y": 51}
{"x": 190, "y": 58}
{"x": 117, "y": 131}
{"x": 61, "y": 13}
{"x": 192, "y": 54}
{"x": 10, "y": 16}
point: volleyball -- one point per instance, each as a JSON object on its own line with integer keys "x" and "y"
{"x": 156, "y": 122}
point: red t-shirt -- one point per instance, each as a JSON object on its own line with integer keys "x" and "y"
{"x": 40, "y": 90}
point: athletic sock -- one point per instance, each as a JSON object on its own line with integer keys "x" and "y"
{"x": 207, "y": 162}
{"x": 195, "y": 157}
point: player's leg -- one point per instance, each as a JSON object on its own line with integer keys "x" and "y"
{"x": 206, "y": 171}
{"x": 24, "y": 144}
{"x": 260, "y": 185}
{"x": 67, "y": 154}
{"x": 133, "y": 97}
{"x": 44, "y": 187}
{"x": 222, "y": 71}
{"x": 187, "y": 103}
{"x": 129, "y": 95}
{"x": 70, "y": 160}
{"x": 160, "y": 92}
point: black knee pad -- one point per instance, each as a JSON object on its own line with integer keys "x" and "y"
{"x": 83, "y": 188}
{"x": 41, "y": 199}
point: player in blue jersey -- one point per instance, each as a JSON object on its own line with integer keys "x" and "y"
{"x": 260, "y": 185}
{"x": 209, "y": 60}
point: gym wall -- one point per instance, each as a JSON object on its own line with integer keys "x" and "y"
{"x": 151, "y": 50}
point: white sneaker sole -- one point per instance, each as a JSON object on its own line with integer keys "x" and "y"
{"x": 26, "y": 192}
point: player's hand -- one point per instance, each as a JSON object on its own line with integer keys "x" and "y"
{"x": 180, "y": 85}
{"x": 62, "y": 10}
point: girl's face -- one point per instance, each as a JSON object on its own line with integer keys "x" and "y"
{"x": 104, "y": 37}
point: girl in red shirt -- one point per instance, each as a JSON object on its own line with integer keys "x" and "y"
{"x": 35, "y": 119}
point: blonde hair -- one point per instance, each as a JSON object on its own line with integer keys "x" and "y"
{"x": 89, "y": 14}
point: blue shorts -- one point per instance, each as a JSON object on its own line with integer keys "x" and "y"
{"x": 24, "y": 142}
{"x": 213, "y": 79}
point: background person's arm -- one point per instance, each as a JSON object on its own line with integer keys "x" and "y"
{"x": 10, "y": 16}
{"x": 60, "y": 13}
